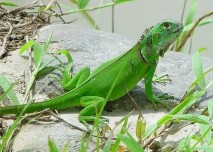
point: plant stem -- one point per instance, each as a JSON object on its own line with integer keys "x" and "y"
{"x": 87, "y": 9}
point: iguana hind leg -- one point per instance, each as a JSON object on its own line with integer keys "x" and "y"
{"x": 91, "y": 106}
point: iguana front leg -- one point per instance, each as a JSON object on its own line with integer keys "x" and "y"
{"x": 148, "y": 88}
{"x": 148, "y": 85}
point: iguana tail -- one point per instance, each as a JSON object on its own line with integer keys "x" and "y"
{"x": 61, "y": 102}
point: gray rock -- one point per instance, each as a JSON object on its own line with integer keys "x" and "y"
{"x": 91, "y": 48}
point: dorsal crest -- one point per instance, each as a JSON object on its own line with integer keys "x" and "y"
{"x": 146, "y": 32}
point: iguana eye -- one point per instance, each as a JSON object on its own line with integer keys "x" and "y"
{"x": 166, "y": 25}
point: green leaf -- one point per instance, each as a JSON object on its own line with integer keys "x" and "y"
{"x": 46, "y": 45}
{"x": 191, "y": 13}
{"x": 41, "y": 8}
{"x": 210, "y": 109}
{"x": 26, "y": 46}
{"x": 46, "y": 63}
{"x": 6, "y": 92}
{"x": 197, "y": 67}
{"x": 82, "y": 147}
{"x": 190, "y": 117}
{"x": 5, "y": 84}
{"x": 189, "y": 20}
{"x": 202, "y": 23}
{"x": 181, "y": 107}
{"x": 108, "y": 144}
{"x": 122, "y": 131}
{"x": 45, "y": 71}
{"x": 38, "y": 53}
{"x": 82, "y": 3}
{"x": 184, "y": 144}
{"x": 150, "y": 129}
{"x": 67, "y": 54}
{"x": 121, "y": 1}
{"x": 129, "y": 141}
{"x": 6, "y": 138}
{"x": 205, "y": 129}
{"x": 65, "y": 147}
{"x": 52, "y": 145}
{"x": 204, "y": 148}
{"x": 194, "y": 84}
{"x": 8, "y": 4}
{"x": 140, "y": 127}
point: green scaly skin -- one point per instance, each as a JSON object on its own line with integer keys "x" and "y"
{"x": 90, "y": 90}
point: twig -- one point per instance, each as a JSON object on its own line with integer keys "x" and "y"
{"x": 87, "y": 9}
{"x": 3, "y": 51}
{"x": 192, "y": 30}
{"x": 30, "y": 68}
{"x": 28, "y": 115}
{"x": 19, "y": 25}
{"x": 23, "y": 7}
{"x": 133, "y": 100}
{"x": 62, "y": 120}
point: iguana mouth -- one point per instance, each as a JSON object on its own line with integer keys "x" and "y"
{"x": 180, "y": 27}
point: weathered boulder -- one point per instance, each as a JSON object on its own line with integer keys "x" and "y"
{"x": 91, "y": 48}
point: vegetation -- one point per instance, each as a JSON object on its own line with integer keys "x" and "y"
{"x": 201, "y": 141}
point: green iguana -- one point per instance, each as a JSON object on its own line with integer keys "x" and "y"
{"x": 90, "y": 90}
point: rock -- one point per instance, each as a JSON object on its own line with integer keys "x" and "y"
{"x": 91, "y": 48}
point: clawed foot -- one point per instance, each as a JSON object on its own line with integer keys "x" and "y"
{"x": 164, "y": 96}
{"x": 162, "y": 80}
{"x": 161, "y": 98}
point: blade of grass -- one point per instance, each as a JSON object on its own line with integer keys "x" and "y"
{"x": 26, "y": 46}
{"x": 205, "y": 129}
{"x": 6, "y": 3}
{"x": 181, "y": 107}
{"x": 38, "y": 53}
{"x": 8, "y": 90}
{"x": 87, "y": 16}
{"x": 46, "y": 45}
{"x": 122, "y": 131}
{"x": 52, "y": 145}
{"x": 191, "y": 13}
{"x": 201, "y": 23}
{"x": 8, "y": 135}
{"x": 130, "y": 142}
{"x": 210, "y": 109}
{"x": 183, "y": 10}
{"x": 189, "y": 20}
{"x": 82, "y": 3}
{"x": 187, "y": 36}
{"x": 197, "y": 67}
{"x": 38, "y": 56}
{"x": 93, "y": 8}
{"x": 190, "y": 117}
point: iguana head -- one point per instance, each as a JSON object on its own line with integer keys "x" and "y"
{"x": 164, "y": 34}
{"x": 158, "y": 38}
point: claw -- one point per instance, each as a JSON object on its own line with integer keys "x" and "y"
{"x": 159, "y": 98}
{"x": 164, "y": 96}
{"x": 162, "y": 80}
